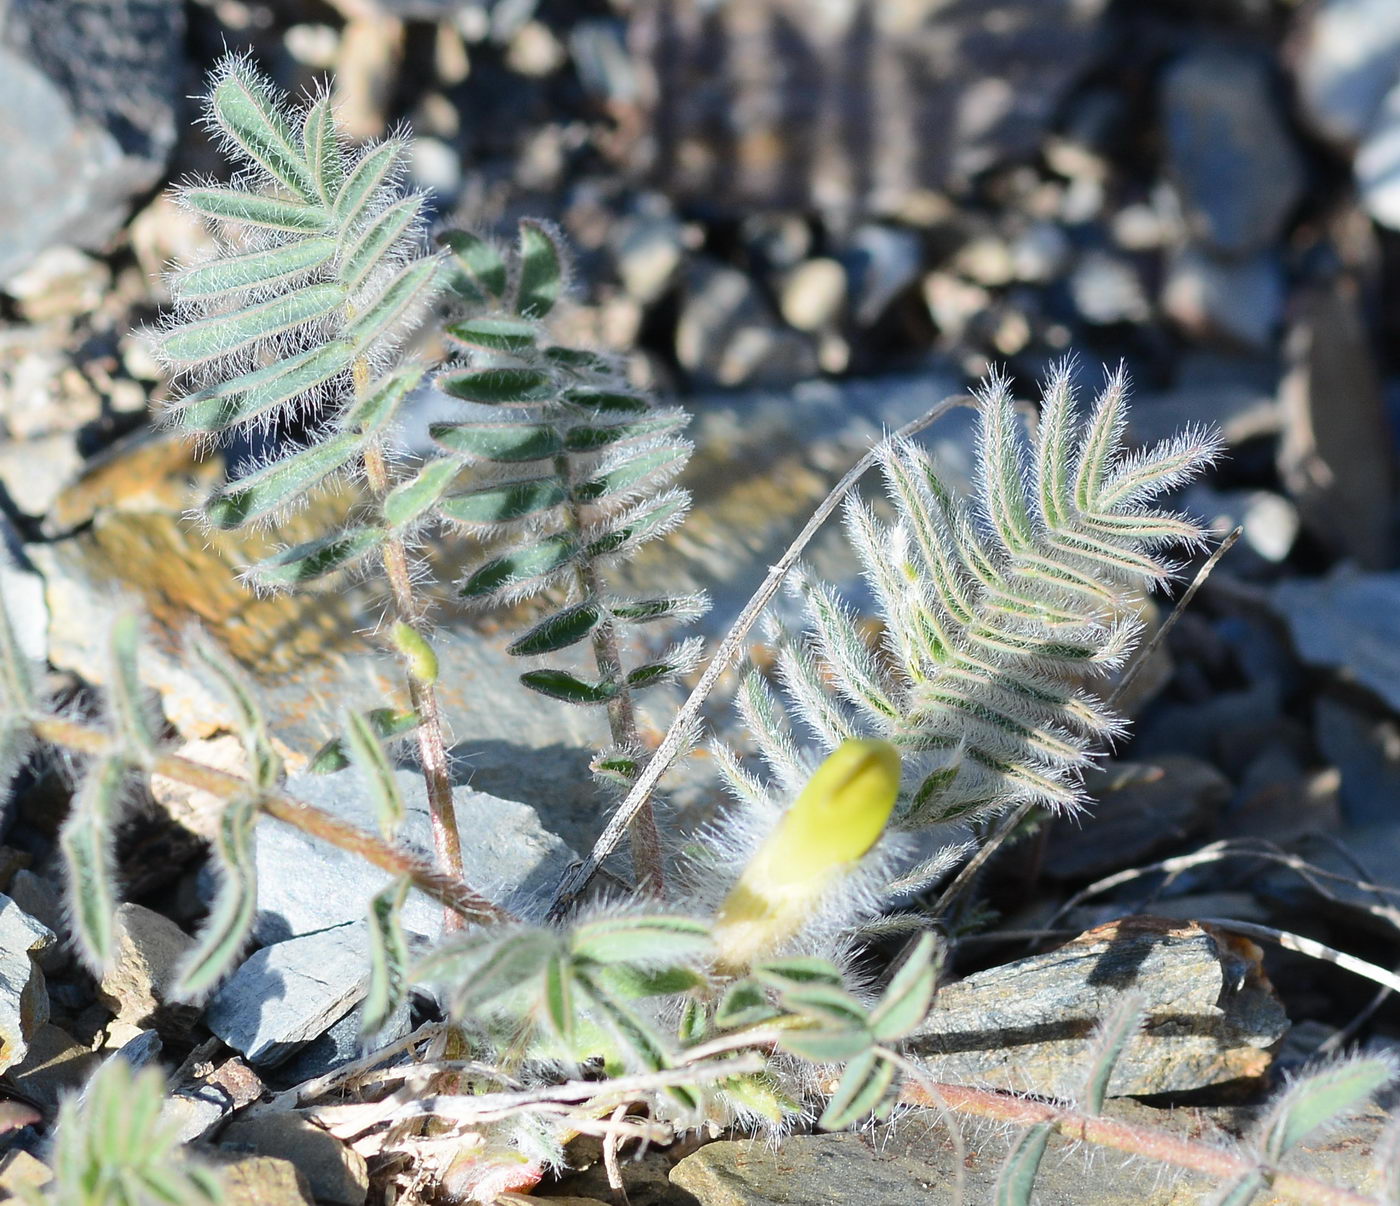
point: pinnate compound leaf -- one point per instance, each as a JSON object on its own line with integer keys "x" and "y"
{"x": 560, "y": 684}
{"x": 541, "y": 271}
{"x": 410, "y": 288}
{"x": 316, "y": 558}
{"x": 479, "y": 273}
{"x": 1317, "y": 1099}
{"x": 505, "y": 502}
{"x": 225, "y": 934}
{"x": 863, "y": 1089}
{"x": 388, "y": 957}
{"x": 505, "y": 443}
{"x": 499, "y": 386}
{"x": 521, "y": 571}
{"x": 907, "y": 1000}
{"x": 411, "y": 500}
{"x": 279, "y": 484}
{"x": 641, "y": 939}
{"x": 367, "y": 756}
{"x": 1017, "y": 1177}
{"x": 559, "y": 631}
{"x": 86, "y": 841}
{"x": 386, "y": 723}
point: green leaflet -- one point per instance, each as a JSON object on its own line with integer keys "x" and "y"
{"x": 316, "y": 558}
{"x": 86, "y": 841}
{"x": 377, "y": 239}
{"x": 605, "y": 401}
{"x": 499, "y": 386}
{"x": 18, "y": 696}
{"x": 255, "y": 270}
{"x": 560, "y": 684}
{"x": 386, "y": 724}
{"x": 541, "y": 271}
{"x": 388, "y": 957}
{"x": 252, "y": 209}
{"x": 863, "y": 1089}
{"x": 909, "y": 996}
{"x": 505, "y": 443}
{"x": 249, "y": 397}
{"x": 225, "y": 933}
{"x": 125, "y": 693}
{"x": 320, "y": 143}
{"x": 411, "y": 287}
{"x": 504, "y": 503}
{"x": 523, "y": 570}
{"x": 479, "y": 273}
{"x": 373, "y": 412}
{"x": 1322, "y": 1097}
{"x": 246, "y": 113}
{"x": 366, "y": 178}
{"x": 559, "y": 631}
{"x": 744, "y": 1004}
{"x": 1017, "y": 1177}
{"x": 495, "y": 333}
{"x": 825, "y": 1045}
{"x": 265, "y": 764}
{"x": 630, "y": 473}
{"x": 411, "y": 500}
{"x": 279, "y": 484}
{"x": 209, "y": 338}
{"x": 1113, "y": 1038}
{"x": 367, "y": 756}
{"x": 643, "y": 611}
{"x": 587, "y": 438}
{"x": 559, "y": 1000}
{"x": 641, "y": 939}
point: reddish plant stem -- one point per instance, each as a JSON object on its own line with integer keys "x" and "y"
{"x": 1145, "y": 1141}
{"x": 454, "y": 895}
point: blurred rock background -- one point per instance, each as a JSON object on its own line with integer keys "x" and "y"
{"x": 806, "y": 219}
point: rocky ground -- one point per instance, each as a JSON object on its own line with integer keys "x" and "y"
{"x": 807, "y": 222}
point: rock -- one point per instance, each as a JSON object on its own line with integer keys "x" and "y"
{"x": 1235, "y": 301}
{"x": 1269, "y": 520}
{"x": 1365, "y": 748}
{"x": 649, "y": 249}
{"x": 1337, "y": 454}
{"x": 89, "y": 93}
{"x": 777, "y": 241}
{"x": 334, "y": 1172}
{"x": 343, "y": 1043}
{"x": 1025, "y": 1026}
{"x": 60, "y": 283}
{"x": 953, "y": 303}
{"x": 34, "y": 472}
{"x": 1347, "y": 60}
{"x": 1348, "y": 622}
{"x": 289, "y": 993}
{"x": 258, "y": 1180}
{"x": 1040, "y": 253}
{"x": 22, "y": 595}
{"x": 727, "y": 336}
{"x": 200, "y": 1104}
{"x": 55, "y": 1064}
{"x": 41, "y": 901}
{"x": 1232, "y": 158}
{"x": 24, "y": 1002}
{"x": 881, "y": 262}
{"x": 1139, "y": 811}
{"x": 812, "y": 294}
{"x": 774, "y": 105}
{"x": 20, "y": 1171}
{"x": 141, "y": 1049}
{"x": 1240, "y": 412}
{"x": 508, "y": 855}
{"x": 1108, "y": 289}
{"x": 149, "y": 949}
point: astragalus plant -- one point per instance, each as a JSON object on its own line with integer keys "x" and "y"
{"x": 721, "y": 988}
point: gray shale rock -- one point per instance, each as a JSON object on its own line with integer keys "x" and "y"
{"x": 508, "y": 855}
{"x": 89, "y": 91}
{"x": 287, "y": 994}
{"x": 335, "y": 1173}
{"x": 24, "y": 1001}
{"x": 1026, "y": 1026}
{"x": 149, "y": 949}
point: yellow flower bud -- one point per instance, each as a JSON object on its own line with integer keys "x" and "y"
{"x": 832, "y": 825}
